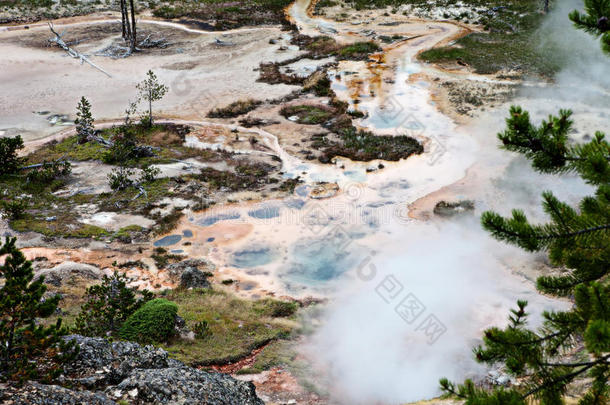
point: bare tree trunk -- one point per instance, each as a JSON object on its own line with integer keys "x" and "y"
{"x": 123, "y": 20}
{"x": 133, "y": 26}
{"x": 150, "y": 118}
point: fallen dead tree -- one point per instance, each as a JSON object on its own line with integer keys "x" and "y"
{"x": 119, "y": 52}
{"x": 59, "y": 161}
{"x": 72, "y": 52}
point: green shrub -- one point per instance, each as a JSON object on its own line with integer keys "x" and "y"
{"x": 170, "y": 12}
{"x": 123, "y": 147}
{"x": 308, "y": 114}
{"x": 201, "y": 329}
{"x": 154, "y": 322}
{"x": 119, "y": 179}
{"x": 14, "y": 209}
{"x": 275, "y": 308}
{"x": 149, "y": 173}
{"x": 49, "y": 171}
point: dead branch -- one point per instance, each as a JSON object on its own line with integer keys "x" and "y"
{"x": 73, "y": 53}
{"x": 99, "y": 139}
{"x": 153, "y": 43}
{"x": 60, "y": 160}
{"x": 220, "y": 42}
{"x": 120, "y": 52}
{"x": 142, "y": 192}
{"x": 115, "y": 52}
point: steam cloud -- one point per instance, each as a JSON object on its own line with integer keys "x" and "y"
{"x": 364, "y": 350}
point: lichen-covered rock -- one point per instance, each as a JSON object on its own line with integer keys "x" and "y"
{"x": 184, "y": 386}
{"x": 191, "y": 273}
{"x": 105, "y": 373}
{"x": 34, "y": 393}
{"x": 100, "y": 363}
{"x": 193, "y": 278}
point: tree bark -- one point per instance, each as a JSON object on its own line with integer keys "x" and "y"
{"x": 123, "y": 20}
{"x": 133, "y": 26}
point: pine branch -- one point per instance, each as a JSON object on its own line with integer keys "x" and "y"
{"x": 567, "y": 377}
{"x": 586, "y": 363}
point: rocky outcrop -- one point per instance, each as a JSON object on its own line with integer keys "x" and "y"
{"x": 194, "y": 278}
{"x": 108, "y": 373}
{"x": 324, "y": 190}
{"x": 68, "y": 271}
{"x": 449, "y": 209}
{"x": 188, "y": 273}
{"x": 33, "y": 393}
{"x": 187, "y": 386}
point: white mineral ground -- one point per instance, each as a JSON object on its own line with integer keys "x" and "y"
{"x": 378, "y": 225}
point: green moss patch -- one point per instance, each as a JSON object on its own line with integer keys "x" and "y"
{"x": 358, "y": 50}
{"x": 245, "y": 177}
{"x": 235, "y": 109}
{"x": 365, "y": 146}
{"x": 308, "y": 114}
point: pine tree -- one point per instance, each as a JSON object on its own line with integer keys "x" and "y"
{"x": 28, "y": 350}
{"x": 108, "y": 305}
{"x": 577, "y": 240}
{"x": 151, "y": 90}
{"x": 10, "y": 162}
{"x": 595, "y": 20}
{"x": 84, "y": 120}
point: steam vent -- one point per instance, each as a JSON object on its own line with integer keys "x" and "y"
{"x": 304, "y": 202}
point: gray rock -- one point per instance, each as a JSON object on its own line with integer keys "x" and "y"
{"x": 449, "y": 209}
{"x": 187, "y": 386}
{"x": 182, "y": 330}
{"x": 191, "y": 273}
{"x": 193, "y": 278}
{"x": 138, "y": 374}
{"x": 68, "y": 270}
{"x": 42, "y": 394}
{"x": 116, "y": 359}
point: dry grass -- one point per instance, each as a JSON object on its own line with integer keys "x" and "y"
{"x": 237, "y": 326}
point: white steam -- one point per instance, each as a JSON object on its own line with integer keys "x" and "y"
{"x": 372, "y": 355}
{"x": 364, "y": 351}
